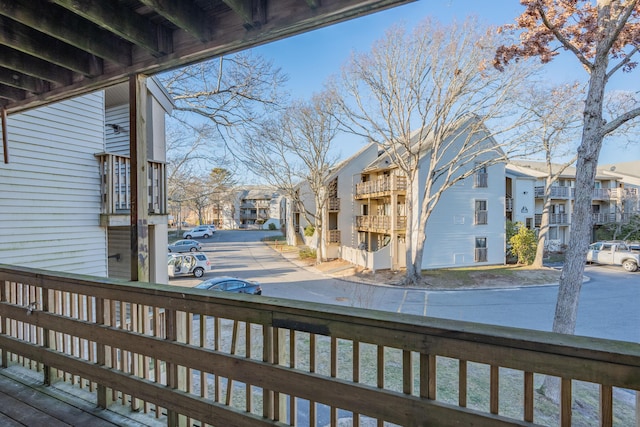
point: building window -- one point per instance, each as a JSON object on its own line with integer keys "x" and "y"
{"x": 481, "y": 212}
{"x": 480, "y": 179}
{"x": 481, "y": 249}
{"x": 529, "y": 223}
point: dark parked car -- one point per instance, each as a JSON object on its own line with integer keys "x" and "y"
{"x": 231, "y": 284}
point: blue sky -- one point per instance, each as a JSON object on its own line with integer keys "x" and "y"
{"x": 310, "y": 58}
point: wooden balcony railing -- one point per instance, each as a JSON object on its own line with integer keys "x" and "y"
{"x": 333, "y": 204}
{"x": 187, "y": 356}
{"x": 115, "y": 179}
{"x": 334, "y": 236}
{"x": 380, "y": 223}
{"x": 381, "y": 186}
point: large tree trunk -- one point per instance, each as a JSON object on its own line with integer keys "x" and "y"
{"x": 414, "y": 265}
{"x": 544, "y": 226}
{"x": 319, "y": 222}
{"x": 564, "y": 321}
{"x": 581, "y": 220}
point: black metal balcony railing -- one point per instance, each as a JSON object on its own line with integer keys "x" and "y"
{"x": 246, "y": 360}
{"x": 115, "y": 179}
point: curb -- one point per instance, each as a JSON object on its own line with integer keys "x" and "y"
{"x": 356, "y": 279}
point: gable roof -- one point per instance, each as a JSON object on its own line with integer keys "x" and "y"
{"x": 623, "y": 168}
{"x": 538, "y": 169}
{"x": 55, "y": 49}
{"x": 459, "y": 127}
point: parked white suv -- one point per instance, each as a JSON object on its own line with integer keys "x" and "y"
{"x": 201, "y": 231}
{"x": 195, "y": 263}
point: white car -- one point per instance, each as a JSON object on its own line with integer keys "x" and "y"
{"x": 201, "y": 231}
{"x": 195, "y": 264}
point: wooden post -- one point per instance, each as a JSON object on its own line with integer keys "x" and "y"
{"x": 104, "y": 394}
{"x": 140, "y": 268}
{"x": 49, "y": 337}
{"x": 4, "y": 321}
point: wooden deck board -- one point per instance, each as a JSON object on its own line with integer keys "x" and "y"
{"x": 25, "y": 401}
{"x": 8, "y": 422}
{"x": 23, "y": 412}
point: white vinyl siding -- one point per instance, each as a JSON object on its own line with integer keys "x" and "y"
{"x": 451, "y": 228}
{"x": 119, "y": 256}
{"x": 117, "y": 142}
{"x": 50, "y": 189}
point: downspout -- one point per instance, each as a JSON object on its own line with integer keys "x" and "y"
{"x": 5, "y": 142}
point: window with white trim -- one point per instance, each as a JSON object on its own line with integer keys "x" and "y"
{"x": 481, "y": 249}
{"x": 481, "y": 177}
{"x": 481, "y": 213}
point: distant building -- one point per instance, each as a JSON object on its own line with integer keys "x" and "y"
{"x": 614, "y": 198}
{"x": 254, "y": 207}
{"x": 366, "y": 214}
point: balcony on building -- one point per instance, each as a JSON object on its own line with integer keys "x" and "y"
{"x": 381, "y": 187}
{"x": 334, "y": 237}
{"x": 333, "y": 204}
{"x": 380, "y": 223}
{"x": 115, "y": 189}
{"x": 508, "y": 204}
{"x": 554, "y": 219}
{"x": 556, "y": 192}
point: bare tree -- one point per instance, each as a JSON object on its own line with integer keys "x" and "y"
{"x": 604, "y": 37}
{"x": 212, "y": 99}
{"x": 294, "y": 152}
{"x": 556, "y": 120}
{"x": 199, "y": 192}
{"x": 432, "y": 94}
{"x": 228, "y": 91}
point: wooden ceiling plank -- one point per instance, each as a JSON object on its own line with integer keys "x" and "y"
{"x": 22, "y": 38}
{"x": 21, "y": 63}
{"x": 123, "y": 22}
{"x": 76, "y": 32}
{"x": 244, "y": 8}
{"x": 21, "y": 81}
{"x": 11, "y": 93}
{"x": 184, "y": 14}
{"x": 285, "y": 18}
{"x": 313, "y": 4}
